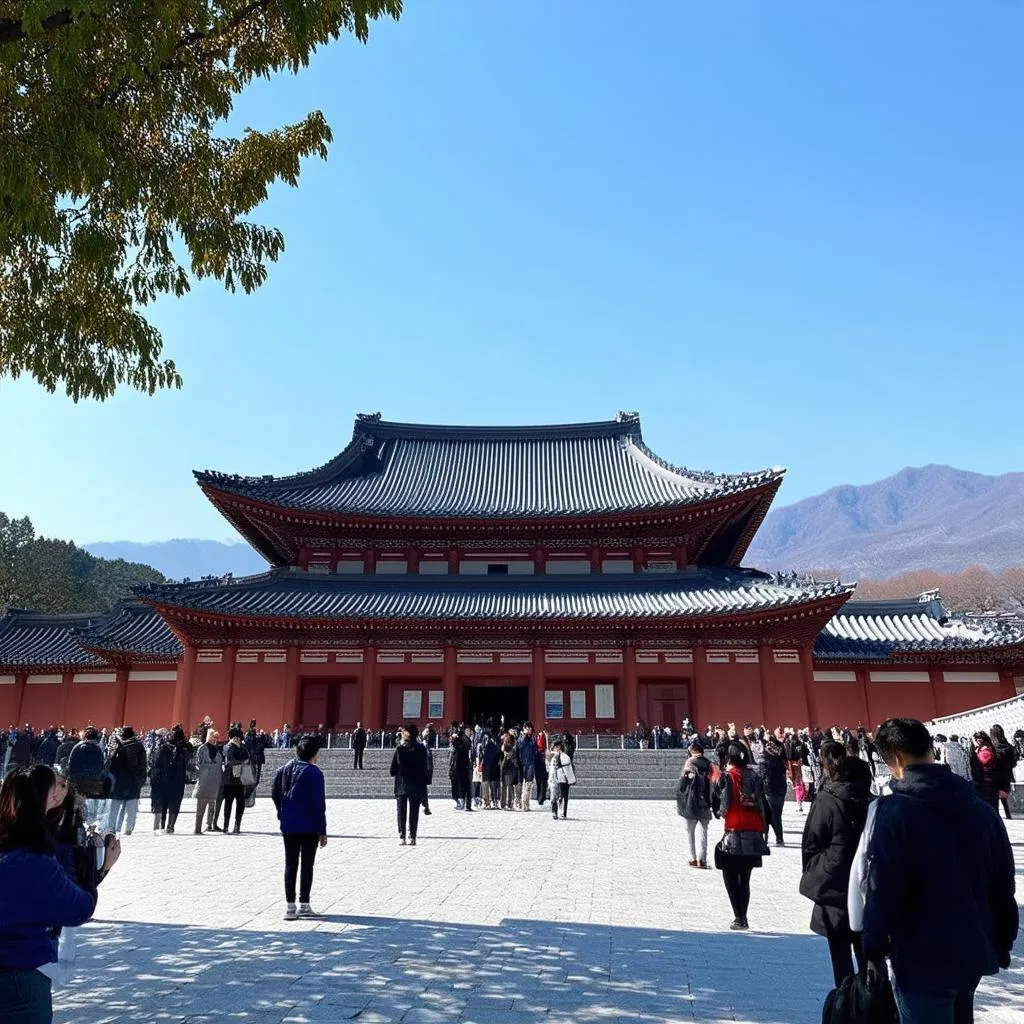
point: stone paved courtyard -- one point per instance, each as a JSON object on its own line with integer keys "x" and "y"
{"x": 499, "y": 918}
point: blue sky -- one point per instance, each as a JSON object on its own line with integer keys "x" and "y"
{"x": 785, "y": 233}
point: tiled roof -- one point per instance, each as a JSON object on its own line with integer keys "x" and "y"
{"x": 40, "y": 640}
{"x": 876, "y": 630}
{"x": 134, "y": 628}
{"x": 407, "y": 470}
{"x": 298, "y": 595}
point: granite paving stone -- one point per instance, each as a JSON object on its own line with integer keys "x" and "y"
{"x": 495, "y": 919}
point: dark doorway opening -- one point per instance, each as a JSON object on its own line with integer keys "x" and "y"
{"x": 485, "y": 705}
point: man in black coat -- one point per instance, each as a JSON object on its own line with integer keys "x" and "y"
{"x": 358, "y": 746}
{"x": 774, "y": 769}
{"x": 129, "y": 766}
{"x": 255, "y": 744}
{"x": 940, "y": 887}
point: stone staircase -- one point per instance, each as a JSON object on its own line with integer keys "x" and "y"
{"x": 600, "y": 774}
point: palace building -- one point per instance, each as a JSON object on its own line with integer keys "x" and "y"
{"x": 564, "y": 574}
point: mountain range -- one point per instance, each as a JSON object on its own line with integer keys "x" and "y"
{"x": 932, "y": 517}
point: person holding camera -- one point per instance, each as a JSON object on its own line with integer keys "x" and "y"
{"x": 238, "y": 777}
{"x": 37, "y": 895}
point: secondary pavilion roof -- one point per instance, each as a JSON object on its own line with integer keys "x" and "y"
{"x": 916, "y": 627}
{"x": 415, "y": 473}
{"x": 41, "y": 640}
{"x": 287, "y": 599}
{"x": 132, "y": 629}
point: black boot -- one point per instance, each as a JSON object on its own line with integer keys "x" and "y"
{"x": 171, "y": 819}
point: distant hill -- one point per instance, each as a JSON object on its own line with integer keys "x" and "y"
{"x": 178, "y": 559}
{"x": 935, "y": 517}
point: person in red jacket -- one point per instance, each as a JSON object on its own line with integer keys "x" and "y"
{"x": 739, "y": 799}
{"x": 985, "y": 770}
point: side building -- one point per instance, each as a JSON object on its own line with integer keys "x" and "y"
{"x": 564, "y": 574}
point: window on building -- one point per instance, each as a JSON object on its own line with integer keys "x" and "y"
{"x": 435, "y": 704}
{"x": 554, "y": 704}
{"x": 577, "y": 703}
{"x": 412, "y": 703}
{"x": 497, "y": 568}
{"x": 604, "y": 700}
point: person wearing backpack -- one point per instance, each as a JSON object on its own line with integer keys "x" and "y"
{"x": 1006, "y": 761}
{"x": 739, "y": 799}
{"x": 88, "y": 774}
{"x": 695, "y": 803}
{"x": 831, "y": 834}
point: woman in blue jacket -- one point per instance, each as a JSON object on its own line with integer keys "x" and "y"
{"x": 37, "y": 896}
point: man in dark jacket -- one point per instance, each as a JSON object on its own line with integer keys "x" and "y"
{"x": 128, "y": 765}
{"x": 774, "y": 769}
{"x": 21, "y": 751}
{"x": 46, "y": 751}
{"x": 255, "y": 743}
{"x": 937, "y": 855}
{"x": 358, "y": 746}
{"x": 527, "y": 745}
{"x": 68, "y": 744}
{"x": 87, "y": 771}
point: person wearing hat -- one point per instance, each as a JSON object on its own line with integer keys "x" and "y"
{"x": 695, "y": 803}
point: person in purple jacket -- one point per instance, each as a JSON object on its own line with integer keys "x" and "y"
{"x": 300, "y": 797}
{"x": 37, "y": 896}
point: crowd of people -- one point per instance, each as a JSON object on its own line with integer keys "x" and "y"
{"x": 902, "y": 830}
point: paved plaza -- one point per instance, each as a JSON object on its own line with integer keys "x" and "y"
{"x": 498, "y": 918}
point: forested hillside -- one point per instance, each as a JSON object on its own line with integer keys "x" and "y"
{"x": 57, "y": 575}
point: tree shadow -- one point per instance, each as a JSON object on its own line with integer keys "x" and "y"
{"x": 376, "y": 970}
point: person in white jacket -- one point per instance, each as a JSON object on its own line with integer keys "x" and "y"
{"x": 562, "y": 776}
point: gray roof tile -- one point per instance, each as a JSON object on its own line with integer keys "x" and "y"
{"x": 133, "y": 627}
{"x": 398, "y": 469}
{"x": 40, "y": 640}
{"x": 696, "y": 593}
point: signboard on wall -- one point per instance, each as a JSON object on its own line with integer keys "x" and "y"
{"x": 554, "y": 704}
{"x": 412, "y": 703}
{"x": 435, "y": 704}
{"x": 604, "y": 700}
{"x": 577, "y": 703}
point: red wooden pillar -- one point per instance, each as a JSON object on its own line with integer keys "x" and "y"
{"x": 19, "y": 696}
{"x": 679, "y": 553}
{"x": 183, "y": 685}
{"x": 630, "y": 713}
{"x": 303, "y": 558}
{"x": 452, "y": 711}
{"x": 595, "y": 559}
{"x": 696, "y": 695}
{"x": 764, "y": 662}
{"x": 807, "y": 664}
{"x": 639, "y": 559}
{"x": 453, "y": 561}
{"x": 413, "y": 558}
{"x": 1006, "y": 681}
{"x": 120, "y": 694}
{"x": 229, "y": 662}
{"x": 369, "y": 561}
{"x": 539, "y": 558}
{"x": 369, "y": 702}
{"x": 537, "y": 689}
{"x": 935, "y": 679}
{"x": 335, "y": 554}
{"x": 66, "y": 680}
{"x": 862, "y": 681}
{"x": 290, "y": 707}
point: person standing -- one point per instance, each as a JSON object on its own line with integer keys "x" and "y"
{"x": 170, "y": 763}
{"x": 695, "y": 803}
{"x": 739, "y": 798}
{"x": 255, "y": 745}
{"x": 300, "y": 797}
{"x": 237, "y": 778}
{"x": 88, "y": 774}
{"x": 1006, "y": 761}
{"x": 774, "y": 777}
{"x": 464, "y": 767}
{"x": 507, "y": 767}
{"x": 424, "y": 740}
{"x": 490, "y": 757}
{"x": 985, "y": 769}
{"x": 409, "y": 770}
{"x": 358, "y": 747}
{"x": 562, "y": 776}
{"x": 210, "y": 772}
{"x": 831, "y": 834}
{"x": 540, "y": 767}
{"x": 957, "y": 758}
{"x": 128, "y": 766}
{"x": 39, "y": 897}
{"x": 527, "y": 747}
{"x": 939, "y": 900}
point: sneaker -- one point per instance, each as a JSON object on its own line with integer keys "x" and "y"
{"x": 692, "y": 863}
{"x": 291, "y": 914}
{"x": 401, "y": 840}
{"x": 305, "y": 910}
{"x": 736, "y": 926}
{"x": 426, "y": 810}
{"x": 412, "y": 842}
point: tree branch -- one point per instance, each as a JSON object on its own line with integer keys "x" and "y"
{"x": 13, "y": 31}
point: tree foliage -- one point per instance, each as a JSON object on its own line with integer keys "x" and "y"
{"x": 116, "y": 186}
{"x": 975, "y": 589}
{"x": 57, "y": 576}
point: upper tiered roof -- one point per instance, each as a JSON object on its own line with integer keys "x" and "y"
{"x": 884, "y": 630}
{"x": 416, "y": 473}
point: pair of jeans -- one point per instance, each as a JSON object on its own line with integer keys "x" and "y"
{"x": 26, "y": 997}
{"x": 299, "y": 847}
{"x": 736, "y": 875}
{"x": 122, "y": 812}
{"x": 697, "y": 837}
{"x": 775, "y": 804}
{"x": 559, "y": 792}
{"x": 527, "y": 794}
{"x": 95, "y": 810}
{"x": 508, "y": 789}
{"x": 234, "y": 795}
{"x": 949, "y": 1006}
{"x": 408, "y": 807}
